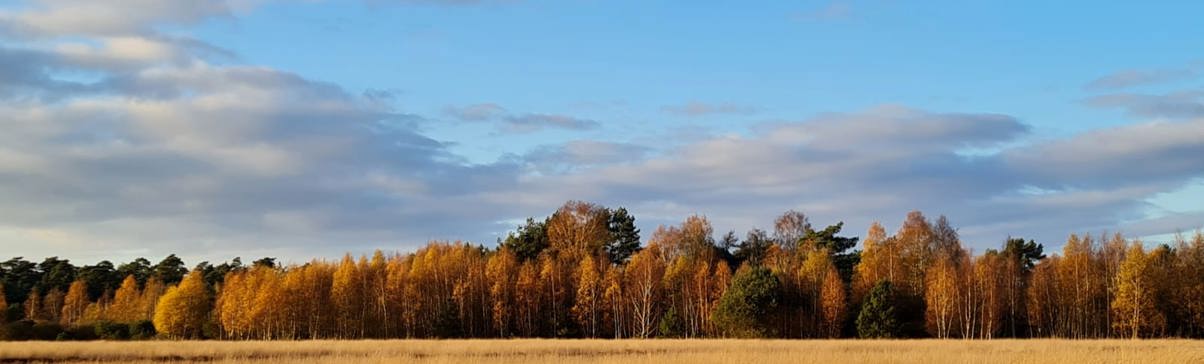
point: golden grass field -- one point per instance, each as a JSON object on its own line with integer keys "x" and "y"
{"x": 612, "y": 351}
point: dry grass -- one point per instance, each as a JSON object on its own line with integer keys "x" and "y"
{"x": 613, "y": 351}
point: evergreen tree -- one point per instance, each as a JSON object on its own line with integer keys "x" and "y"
{"x": 878, "y": 317}
{"x": 746, "y": 308}
{"x": 170, "y": 271}
{"x": 624, "y": 236}
{"x": 528, "y": 240}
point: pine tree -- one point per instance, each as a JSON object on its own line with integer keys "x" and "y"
{"x": 624, "y": 236}
{"x": 878, "y": 318}
{"x": 747, "y": 307}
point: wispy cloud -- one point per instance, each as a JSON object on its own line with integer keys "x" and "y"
{"x": 696, "y": 108}
{"x": 1172, "y": 105}
{"x": 517, "y": 123}
{"x": 1137, "y": 77}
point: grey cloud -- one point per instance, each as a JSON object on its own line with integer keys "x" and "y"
{"x": 703, "y": 109}
{"x": 106, "y": 17}
{"x": 526, "y": 123}
{"x": 577, "y": 154}
{"x": 1162, "y": 152}
{"x": 1174, "y": 105}
{"x": 234, "y": 156}
{"x": 162, "y": 156}
{"x": 517, "y": 123}
{"x": 476, "y": 112}
{"x": 1132, "y": 78}
{"x": 883, "y": 162}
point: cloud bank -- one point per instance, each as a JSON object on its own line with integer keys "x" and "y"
{"x": 161, "y": 149}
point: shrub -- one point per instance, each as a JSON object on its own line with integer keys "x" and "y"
{"x": 17, "y": 330}
{"x": 143, "y": 330}
{"x": 108, "y": 330}
{"x": 46, "y": 331}
{"x": 80, "y": 332}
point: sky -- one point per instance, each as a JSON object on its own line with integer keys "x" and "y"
{"x": 298, "y": 129}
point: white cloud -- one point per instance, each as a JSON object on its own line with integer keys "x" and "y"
{"x": 160, "y": 151}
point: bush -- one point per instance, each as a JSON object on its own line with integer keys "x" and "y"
{"x": 17, "y": 331}
{"x": 46, "y": 331}
{"x": 142, "y": 330}
{"x": 80, "y": 332}
{"x": 108, "y": 330}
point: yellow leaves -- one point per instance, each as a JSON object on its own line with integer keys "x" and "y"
{"x": 125, "y": 307}
{"x": 75, "y": 303}
{"x": 587, "y": 309}
{"x": 578, "y": 228}
{"x": 1133, "y": 307}
{"x": 942, "y": 289}
{"x": 183, "y": 309}
{"x": 834, "y": 305}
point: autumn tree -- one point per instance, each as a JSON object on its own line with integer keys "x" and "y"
{"x": 578, "y": 228}
{"x": 502, "y": 271}
{"x": 878, "y": 262}
{"x": 52, "y": 305}
{"x": 941, "y": 297}
{"x": 790, "y": 228}
{"x": 615, "y": 313}
{"x": 528, "y": 299}
{"x": 917, "y": 245}
{"x": 754, "y": 247}
{"x": 587, "y": 310}
{"x": 33, "y": 306}
{"x": 75, "y": 303}
{"x": 1134, "y": 306}
{"x": 347, "y": 293}
{"x": 183, "y": 310}
{"x": 644, "y": 291}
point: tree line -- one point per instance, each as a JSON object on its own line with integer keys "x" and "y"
{"x": 583, "y": 272}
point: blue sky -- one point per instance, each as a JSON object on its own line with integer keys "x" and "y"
{"x": 309, "y": 128}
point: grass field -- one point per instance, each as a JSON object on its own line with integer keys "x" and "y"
{"x": 612, "y": 351}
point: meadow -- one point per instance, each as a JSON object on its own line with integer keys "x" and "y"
{"x": 612, "y": 351}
